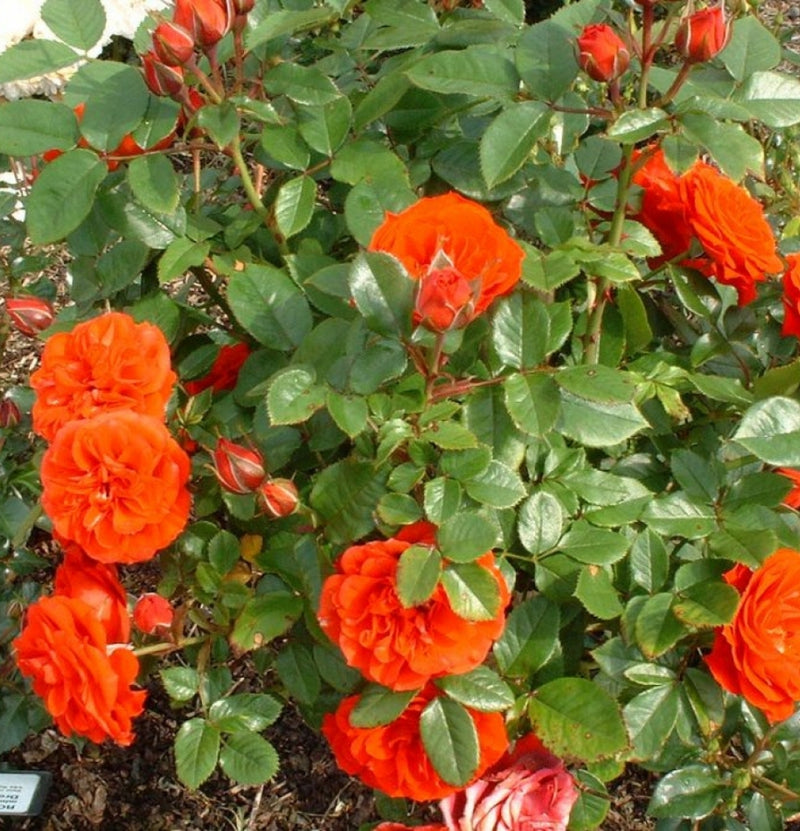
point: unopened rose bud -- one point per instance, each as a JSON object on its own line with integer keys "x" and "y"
{"x": 152, "y": 612}
{"x": 207, "y": 20}
{"x": 278, "y": 497}
{"x": 602, "y": 54}
{"x": 239, "y": 469}
{"x": 445, "y": 299}
{"x": 703, "y": 35}
{"x": 10, "y": 416}
{"x": 172, "y": 44}
{"x": 30, "y": 315}
{"x": 160, "y": 78}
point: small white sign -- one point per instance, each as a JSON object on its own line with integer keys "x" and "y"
{"x": 22, "y": 793}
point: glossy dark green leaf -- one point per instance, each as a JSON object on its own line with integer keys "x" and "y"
{"x": 30, "y": 126}
{"x": 466, "y": 536}
{"x": 650, "y": 717}
{"x": 597, "y": 593}
{"x": 529, "y": 639}
{"x": 248, "y": 759}
{"x": 79, "y": 23}
{"x": 472, "y": 591}
{"x": 450, "y": 739}
{"x": 540, "y": 520}
{"x": 692, "y": 791}
{"x": 378, "y": 705}
{"x": 197, "y": 746}
{"x": 481, "y": 689}
{"x": 770, "y": 429}
{"x": 383, "y": 293}
{"x": 418, "y": 571}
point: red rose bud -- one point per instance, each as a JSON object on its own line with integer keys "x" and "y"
{"x": 30, "y": 315}
{"x": 238, "y": 469}
{"x": 152, "y": 612}
{"x": 703, "y": 35}
{"x": 173, "y": 45}
{"x": 10, "y": 416}
{"x": 602, "y": 54}
{"x": 208, "y": 20}
{"x": 445, "y": 300}
{"x": 278, "y": 497}
{"x": 160, "y": 78}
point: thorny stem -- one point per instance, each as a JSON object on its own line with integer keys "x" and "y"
{"x": 680, "y": 78}
{"x": 648, "y": 13}
{"x": 210, "y": 287}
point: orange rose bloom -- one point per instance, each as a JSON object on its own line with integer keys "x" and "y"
{"x": 85, "y": 683}
{"x": 792, "y": 499}
{"x": 662, "y": 211}
{"x": 97, "y": 585}
{"x": 791, "y": 296}
{"x": 737, "y": 240}
{"x": 107, "y": 363}
{"x": 459, "y": 237}
{"x": 116, "y": 485}
{"x": 398, "y": 647}
{"x": 392, "y": 758}
{"x": 757, "y": 654}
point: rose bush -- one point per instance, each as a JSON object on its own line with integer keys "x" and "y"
{"x": 442, "y": 366}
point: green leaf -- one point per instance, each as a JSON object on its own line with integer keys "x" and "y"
{"x": 302, "y": 84}
{"x": 677, "y": 515}
{"x": 649, "y": 561}
{"x": 63, "y": 195}
{"x": 325, "y": 128}
{"x": 657, "y": 628}
{"x": 378, "y": 706}
{"x": 418, "y": 572}
{"x": 33, "y": 58}
{"x": 179, "y": 256}
{"x": 277, "y": 24}
{"x": 350, "y": 412}
{"x": 442, "y": 499}
{"x": 294, "y": 396}
{"x": 598, "y": 424}
{"x": 481, "y": 689}
{"x": 79, "y": 23}
{"x": 29, "y": 127}
{"x": 529, "y": 639}
{"x": 596, "y": 592}
{"x": 181, "y": 683}
{"x": 383, "y": 293}
{"x": 546, "y": 61}
{"x": 708, "y": 603}
{"x": 533, "y": 402}
{"x": 285, "y": 145}
{"x": 196, "y": 751}
{"x": 264, "y": 618}
{"x": 244, "y": 711}
{"x": 294, "y": 205}
{"x": 449, "y": 435}
{"x": 692, "y": 791}
{"x": 650, "y": 718}
{"x": 770, "y": 429}
{"x": 269, "y": 306}
{"x": 498, "y": 486}
{"x": 154, "y": 183}
{"x": 771, "y": 97}
{"x": 450, "y": 739}
{"x": 116, "y": 102}
{"x": 466, "y": 536}
{"x": 248, "y": 758}
{"x": 591, "y": 807}
{"x": 593, "y": 546}
{"x": 752, "y": 48}
{"x": 297, "y": 669}
{"x": 472, "y": 591}
{"x": 345, "y": 495}
{"x": 736, "y": 151}
{"x": 511, "y": 11}
{"x": 575, "y": 717}
{"x": 510, "y": 138}
{"x": 540, "y": 520}
{"x": 597, "y": 383}
{"x": 476, "y": 71}
{"x": 520, "y": 330}
{"x": 634, "y": 126}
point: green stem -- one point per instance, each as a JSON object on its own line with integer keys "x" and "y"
{"x": 159, "y": 648}
{"x": 597, "y": 290}
{"x": 253, "y": 195}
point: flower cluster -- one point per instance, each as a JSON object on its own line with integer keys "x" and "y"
{"x": 115, "y": 487}
{"x": 737, "y": 246}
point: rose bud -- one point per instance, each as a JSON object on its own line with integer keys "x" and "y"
{"x": 10, "y": 416}
{"x": 30, "y": 315}
{"x": 160, "y": 78}
{"x": 602, "y": 54}
{"x": 445, "y": 299}
{"x": 152, "y": 612}
{"x": 208, "y": 20}
{"x": 172, "y": 44}
{"x": 239, "y": 469}
{"x": 278, "y": 497}
{"x": 703, "y": 35}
